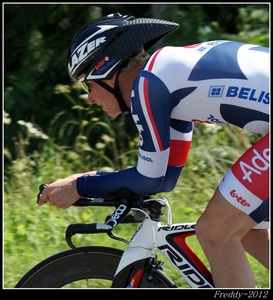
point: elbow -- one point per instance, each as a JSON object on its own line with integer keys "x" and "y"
{"x": 168, "y": 187}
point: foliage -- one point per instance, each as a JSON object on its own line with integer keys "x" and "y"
{"x": 38, "y": 90}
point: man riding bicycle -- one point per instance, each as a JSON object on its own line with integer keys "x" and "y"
{"x": 218, "y": 82}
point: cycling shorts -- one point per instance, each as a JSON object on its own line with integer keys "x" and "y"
{"x": 246, "y": 184}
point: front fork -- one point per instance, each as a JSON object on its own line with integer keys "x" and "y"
{"x": 138, "y": 257}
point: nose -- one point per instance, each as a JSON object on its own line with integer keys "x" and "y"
{"x": 90, "y": 99}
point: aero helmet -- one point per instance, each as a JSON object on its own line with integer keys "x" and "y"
{"x": 101, "y": 47}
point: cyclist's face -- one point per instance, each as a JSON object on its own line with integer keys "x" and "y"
{"x": 100, "y": 96}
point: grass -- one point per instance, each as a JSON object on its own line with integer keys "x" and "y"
{"x": 33, "y": 233}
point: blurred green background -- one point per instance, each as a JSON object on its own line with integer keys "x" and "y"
{"x": 50, "y": 132}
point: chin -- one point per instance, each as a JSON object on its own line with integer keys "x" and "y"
{"x": 113, "y": 114}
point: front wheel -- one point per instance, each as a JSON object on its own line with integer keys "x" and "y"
{"x": 85, "y": 267}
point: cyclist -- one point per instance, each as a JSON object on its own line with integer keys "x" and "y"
{"x": 218, "y": 82}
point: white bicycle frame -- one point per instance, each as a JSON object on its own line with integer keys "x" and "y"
{"x": 170, "y": 240}
{"x": 152, "y": 236}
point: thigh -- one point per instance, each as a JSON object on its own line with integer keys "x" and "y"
{"x": 223, "y": 221}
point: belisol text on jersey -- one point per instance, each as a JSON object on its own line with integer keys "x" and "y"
{"x": 248, "y": 94}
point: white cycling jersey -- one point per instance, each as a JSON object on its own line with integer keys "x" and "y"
{"x": 215, "y": 82}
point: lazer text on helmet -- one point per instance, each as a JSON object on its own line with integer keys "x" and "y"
{"x": 83, "y": 51}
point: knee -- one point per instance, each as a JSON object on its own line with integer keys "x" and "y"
{"x": 208, "y": 234}
{"x": 203, "y": 231}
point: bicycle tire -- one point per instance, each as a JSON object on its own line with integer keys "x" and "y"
{"x": 69, "y": 269}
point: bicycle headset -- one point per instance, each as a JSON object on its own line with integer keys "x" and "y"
{"x": 104, "y": 46}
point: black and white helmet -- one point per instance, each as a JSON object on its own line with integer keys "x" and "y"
{"x": 101, "y": 47}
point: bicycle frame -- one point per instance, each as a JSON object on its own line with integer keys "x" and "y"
{"x": 139, "y": 259}
{"x": 170, "y": 240}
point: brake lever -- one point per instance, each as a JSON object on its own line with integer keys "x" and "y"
{"x": 41, "y": 188}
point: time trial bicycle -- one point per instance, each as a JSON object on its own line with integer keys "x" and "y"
{"x": 135, "y": 267}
